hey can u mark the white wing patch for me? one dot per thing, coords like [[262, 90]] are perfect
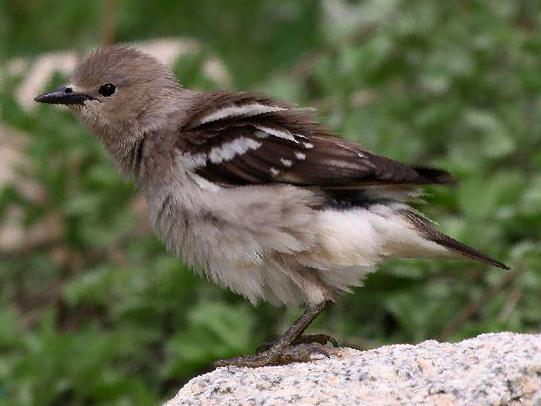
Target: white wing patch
[[228, 151], [224, 152], [240, 111], [286, 162], [286, 135]]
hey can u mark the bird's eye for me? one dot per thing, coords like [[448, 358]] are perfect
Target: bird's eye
[[107, 89]]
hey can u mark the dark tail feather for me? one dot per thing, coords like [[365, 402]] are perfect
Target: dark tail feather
[[427, 229], [435, 175], [468, 251]]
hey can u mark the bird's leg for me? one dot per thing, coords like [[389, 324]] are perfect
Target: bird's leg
[[283, 350]]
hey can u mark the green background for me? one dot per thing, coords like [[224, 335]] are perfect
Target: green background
[[101, 314]]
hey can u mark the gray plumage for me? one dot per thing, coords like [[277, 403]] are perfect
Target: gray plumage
[[251, 191]]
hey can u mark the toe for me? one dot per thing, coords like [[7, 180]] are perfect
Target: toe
[[302, 353]]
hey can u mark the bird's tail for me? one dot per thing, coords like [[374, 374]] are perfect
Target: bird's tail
[[469, 252], [429, 231]]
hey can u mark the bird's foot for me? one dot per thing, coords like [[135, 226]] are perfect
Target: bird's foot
[[322, 339], [290, 347], [302, 352]]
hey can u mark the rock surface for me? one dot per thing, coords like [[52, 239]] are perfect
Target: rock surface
[[491, 369]]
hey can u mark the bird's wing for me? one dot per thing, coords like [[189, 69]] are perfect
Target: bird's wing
[[241, 138]]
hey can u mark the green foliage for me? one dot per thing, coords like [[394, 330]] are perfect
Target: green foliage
[[101, 314]]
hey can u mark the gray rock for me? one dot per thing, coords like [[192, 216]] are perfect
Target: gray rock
[[491, 369]]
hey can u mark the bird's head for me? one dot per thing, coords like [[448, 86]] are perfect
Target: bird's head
[[116, 89]]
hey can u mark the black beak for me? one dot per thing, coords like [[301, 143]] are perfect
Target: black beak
[[63, 95]]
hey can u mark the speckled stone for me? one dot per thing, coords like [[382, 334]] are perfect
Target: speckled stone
[[491, 369]]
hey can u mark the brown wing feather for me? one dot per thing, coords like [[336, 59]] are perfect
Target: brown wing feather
[[294, 149]]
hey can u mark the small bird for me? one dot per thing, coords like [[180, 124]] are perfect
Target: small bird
[[253, 192]]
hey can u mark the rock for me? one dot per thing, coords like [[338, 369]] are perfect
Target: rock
[[491, 369]]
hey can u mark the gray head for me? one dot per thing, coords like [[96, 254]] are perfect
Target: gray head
[[118, 89]]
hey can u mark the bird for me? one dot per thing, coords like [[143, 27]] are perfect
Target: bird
[[254, 193]]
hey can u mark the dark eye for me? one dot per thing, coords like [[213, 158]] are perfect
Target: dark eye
[[107, 89]]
